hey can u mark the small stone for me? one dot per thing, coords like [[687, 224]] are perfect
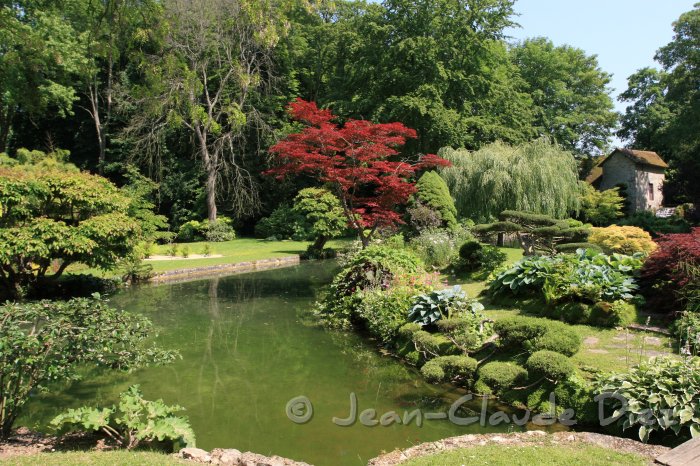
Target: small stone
[[229, 457], [498, 439], [195, 454], [590, 341], [536, 433]]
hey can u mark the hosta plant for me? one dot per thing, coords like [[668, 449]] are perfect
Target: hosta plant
[[659, 395], [132, 421], [451, 302]]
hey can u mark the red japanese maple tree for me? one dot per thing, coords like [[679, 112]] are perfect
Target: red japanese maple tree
[[354, 159]]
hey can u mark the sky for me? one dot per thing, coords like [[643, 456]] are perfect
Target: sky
[[624, 34]]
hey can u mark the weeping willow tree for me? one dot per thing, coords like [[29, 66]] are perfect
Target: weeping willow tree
[[538, 177]]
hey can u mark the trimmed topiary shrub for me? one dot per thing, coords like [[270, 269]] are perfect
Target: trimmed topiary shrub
[[567, 343], [460, 369], [534, 333], [616, 314], [501, 376], [551, 365], [432, 191], [573, 247], [622, 239], [434, 344]]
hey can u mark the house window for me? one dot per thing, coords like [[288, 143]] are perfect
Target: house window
[[651, 191]]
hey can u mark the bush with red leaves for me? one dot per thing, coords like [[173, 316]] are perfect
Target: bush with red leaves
[[666, 270]]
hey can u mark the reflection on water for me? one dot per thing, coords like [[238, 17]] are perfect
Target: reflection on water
[[246, 352]]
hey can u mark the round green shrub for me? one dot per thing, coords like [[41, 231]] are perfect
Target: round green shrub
[[573, 247], [616, 314], [550, 365], [515, 331], [500, 376], [573, 312], [433, 372], [535, 333], [567, 343], [434, 344], [447, 368]]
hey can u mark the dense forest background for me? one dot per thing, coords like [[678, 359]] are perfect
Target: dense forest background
[[191, 93]]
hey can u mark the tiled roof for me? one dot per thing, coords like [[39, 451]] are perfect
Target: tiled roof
[[643, 157]]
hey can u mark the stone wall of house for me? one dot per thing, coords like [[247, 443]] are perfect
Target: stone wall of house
[[649, 180], [619, 169]]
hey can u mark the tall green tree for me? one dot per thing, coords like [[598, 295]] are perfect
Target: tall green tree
[[207, 81], [570, 93], [39, 58], [664, 110]]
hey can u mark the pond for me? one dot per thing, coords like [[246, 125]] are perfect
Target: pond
[[247, 349]]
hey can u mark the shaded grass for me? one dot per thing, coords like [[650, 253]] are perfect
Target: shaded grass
[[536, 453], [95, 458]]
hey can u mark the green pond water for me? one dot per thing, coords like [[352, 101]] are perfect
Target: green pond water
[[247, 349]]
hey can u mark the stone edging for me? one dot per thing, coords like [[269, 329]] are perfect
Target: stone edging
[[519, 438], [232, 457], [178, 275]]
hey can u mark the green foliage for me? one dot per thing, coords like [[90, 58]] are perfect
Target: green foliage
[[501, 376], [133, 421], [662, 394], [458, 369], [185, 251], [141, 191], [468, 331], [474, 256], [283, 223], [214, 231], [206, 250], [432, 191], [173, 249], [686, 330], [499, 177], [535, 334], [566, 343], [586, 276], [451, 302], [432, 345], [616, 314], [323, 215], [664, 105], [384, 311], [570, 248], [133, 269], [51, 219], [551, 365], [47, 341], [374, 267], [601, 208], [436, 248], [654, 225], [569, 92]]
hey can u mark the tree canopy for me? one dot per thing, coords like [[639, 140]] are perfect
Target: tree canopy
[[51, 219], [664, 110], [538, 177]]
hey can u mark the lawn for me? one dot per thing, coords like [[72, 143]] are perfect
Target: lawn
[[536, 453], [95, 458], [237, 250]]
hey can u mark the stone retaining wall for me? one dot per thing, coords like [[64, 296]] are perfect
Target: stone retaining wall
[[519, 438], [233, 457], [224, 269]]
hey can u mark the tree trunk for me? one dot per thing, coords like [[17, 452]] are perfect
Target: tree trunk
[[211, 193], [6, 118], [320, 243]]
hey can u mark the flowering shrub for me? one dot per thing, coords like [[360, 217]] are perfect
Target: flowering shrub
[[624, 240]]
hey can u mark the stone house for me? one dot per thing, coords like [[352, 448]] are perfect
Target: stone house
[[641, 172]]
